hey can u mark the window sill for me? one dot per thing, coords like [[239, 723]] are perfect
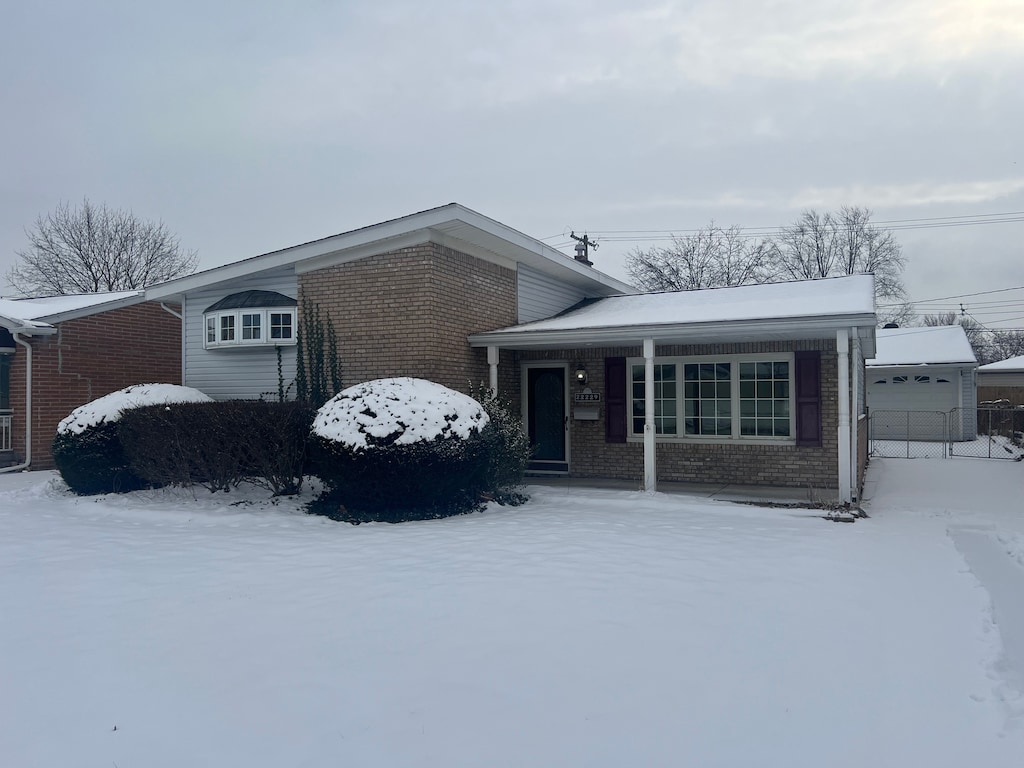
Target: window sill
[[661, 439], [250, 344]]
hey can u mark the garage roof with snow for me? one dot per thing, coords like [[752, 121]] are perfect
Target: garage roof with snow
[[942, 345]]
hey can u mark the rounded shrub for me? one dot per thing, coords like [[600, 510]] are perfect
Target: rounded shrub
[[399, 449], [87, 448]]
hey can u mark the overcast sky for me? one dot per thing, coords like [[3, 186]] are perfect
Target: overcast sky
[[248, 126]]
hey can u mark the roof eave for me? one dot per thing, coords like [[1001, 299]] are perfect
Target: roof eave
[[734, 330]]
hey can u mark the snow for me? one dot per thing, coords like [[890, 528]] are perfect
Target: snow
[[26, 311], [588, 627], [1010, 364], [943, 344], [851, 295], [411, 410], [110, 407]]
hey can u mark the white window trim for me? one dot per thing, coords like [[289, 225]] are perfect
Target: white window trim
[[734, 396], [238, 341]]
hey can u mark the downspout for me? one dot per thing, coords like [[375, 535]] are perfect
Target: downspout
[[843, 374], [28, 405], [181, 317], [650, 468]]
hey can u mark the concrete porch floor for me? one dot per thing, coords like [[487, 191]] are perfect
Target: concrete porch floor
[[717, 491]]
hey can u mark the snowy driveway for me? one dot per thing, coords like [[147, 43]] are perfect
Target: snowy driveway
[[597, 628]]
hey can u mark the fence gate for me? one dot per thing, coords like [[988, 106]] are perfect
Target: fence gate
[[987, 433], [1000, 433]]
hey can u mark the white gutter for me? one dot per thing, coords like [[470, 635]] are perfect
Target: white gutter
[[28, 406], [843, 374], [754, 329]]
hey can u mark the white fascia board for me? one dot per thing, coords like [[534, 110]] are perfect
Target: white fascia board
[[498, 239], [733, 331]]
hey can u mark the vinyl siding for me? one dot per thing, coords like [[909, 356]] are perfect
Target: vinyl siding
[[235, 373], [541, 296], [968, 399]]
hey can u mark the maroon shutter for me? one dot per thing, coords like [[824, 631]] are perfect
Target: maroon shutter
[[615, 399], [808, 398]]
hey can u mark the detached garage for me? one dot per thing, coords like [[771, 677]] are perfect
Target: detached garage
[[922, 384]]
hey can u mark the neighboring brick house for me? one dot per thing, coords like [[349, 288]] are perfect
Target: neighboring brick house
[[61, 352], [453, 296]]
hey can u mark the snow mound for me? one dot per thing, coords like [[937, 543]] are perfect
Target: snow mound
[[109, 408], [401, 411]]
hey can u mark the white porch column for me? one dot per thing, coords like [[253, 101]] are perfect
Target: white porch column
[[650, 468], [843, 374], [492, 361], [856, 364]]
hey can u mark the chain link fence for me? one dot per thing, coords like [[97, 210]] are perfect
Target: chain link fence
[[908, 434], [987, 432], [1000, 433]]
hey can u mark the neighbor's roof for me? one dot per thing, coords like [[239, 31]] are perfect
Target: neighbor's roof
[[30, 315], [453, 225], [1009, 365], [942, 344], [799, 309]]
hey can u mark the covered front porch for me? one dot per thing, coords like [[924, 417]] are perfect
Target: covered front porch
[[608, 391]]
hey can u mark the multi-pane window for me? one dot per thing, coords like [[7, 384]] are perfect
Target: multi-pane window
[[281, 325], [250, 327], [664, 399], [251, 322], [729, 397], [227, 328], [764, 399], [707, 398]]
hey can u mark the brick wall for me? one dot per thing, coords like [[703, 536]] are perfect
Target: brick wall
[[731, 462], [86, 359], [409, 313]]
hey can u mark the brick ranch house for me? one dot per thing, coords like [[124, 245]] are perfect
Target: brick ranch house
[[759, 384], [61, 352]]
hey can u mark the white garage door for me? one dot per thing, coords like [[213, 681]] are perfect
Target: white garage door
[[926, 392]]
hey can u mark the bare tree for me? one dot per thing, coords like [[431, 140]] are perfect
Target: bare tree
[[91, 248], [1006, 344], [841, 243], [978, 337], [712, 257]]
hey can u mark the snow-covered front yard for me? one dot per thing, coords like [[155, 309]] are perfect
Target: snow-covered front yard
[[591, 628]]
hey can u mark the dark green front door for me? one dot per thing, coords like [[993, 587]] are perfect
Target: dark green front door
[[547, 420]]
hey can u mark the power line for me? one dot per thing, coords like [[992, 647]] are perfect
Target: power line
[[956, 297]]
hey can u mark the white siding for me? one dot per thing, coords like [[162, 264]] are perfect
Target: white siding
[[235, 373], [541, 296]]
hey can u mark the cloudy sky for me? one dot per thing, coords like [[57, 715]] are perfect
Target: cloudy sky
[[248, 126]]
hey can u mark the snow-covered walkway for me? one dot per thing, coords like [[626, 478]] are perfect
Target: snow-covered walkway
[[597, 628]]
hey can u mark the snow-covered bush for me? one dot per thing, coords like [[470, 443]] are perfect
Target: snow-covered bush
[[87, 448], [219, 444], [508, 449], [399, 449]]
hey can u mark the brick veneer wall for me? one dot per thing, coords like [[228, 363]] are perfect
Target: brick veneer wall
[[86, 359], [409, 313], [731, 462]]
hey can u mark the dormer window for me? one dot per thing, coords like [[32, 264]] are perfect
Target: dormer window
[[250, 318]]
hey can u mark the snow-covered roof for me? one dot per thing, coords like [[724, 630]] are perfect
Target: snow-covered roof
[[1009, 365], [452, 224], [787, 306], [941, 345], [39, 313]]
